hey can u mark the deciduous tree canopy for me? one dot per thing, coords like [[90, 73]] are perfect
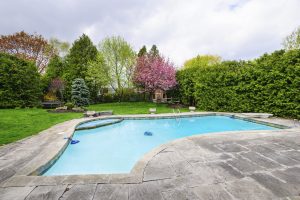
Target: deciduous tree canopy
[[120, 59], [29, 47], [202, 60], [292, 41], [154, 72]]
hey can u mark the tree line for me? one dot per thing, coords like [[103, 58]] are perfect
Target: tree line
[[61, 67], [34, 69]]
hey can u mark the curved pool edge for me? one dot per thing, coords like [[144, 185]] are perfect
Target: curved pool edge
[[77, 128], [40, 163], [141, 162]]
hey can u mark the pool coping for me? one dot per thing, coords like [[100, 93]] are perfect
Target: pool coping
[[28, 175], [77, 128]]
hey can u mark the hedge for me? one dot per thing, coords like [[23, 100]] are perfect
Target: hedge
[[270, 84], [19, 82]]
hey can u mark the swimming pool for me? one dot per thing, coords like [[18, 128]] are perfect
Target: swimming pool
[[116, 148]]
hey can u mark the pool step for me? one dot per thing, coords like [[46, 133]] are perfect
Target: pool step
[[114, 121]]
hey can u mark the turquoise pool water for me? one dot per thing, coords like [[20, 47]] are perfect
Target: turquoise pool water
[[116, 148]]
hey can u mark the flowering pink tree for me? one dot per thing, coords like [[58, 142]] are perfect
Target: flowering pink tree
[[154, 72]]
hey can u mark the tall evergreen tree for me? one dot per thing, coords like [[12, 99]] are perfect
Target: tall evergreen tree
[[142, 51], [82, 52], [55, 67], [19, 82], [80, 92], [154, 51]]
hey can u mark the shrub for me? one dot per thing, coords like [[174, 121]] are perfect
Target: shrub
[[69, 105], [80, 92], [19, 83], [268, 84]]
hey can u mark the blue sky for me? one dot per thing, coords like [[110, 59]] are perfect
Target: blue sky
[[233, 29]]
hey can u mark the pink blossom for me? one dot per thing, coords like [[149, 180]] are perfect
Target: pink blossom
[[154, 72]]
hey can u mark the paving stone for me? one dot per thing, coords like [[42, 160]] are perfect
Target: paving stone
[[145, 191], [289, 144], [156, 173], [248, 189], [269, 153], [252, 142], [212, 192], [294, 198], [20, 181], [174, 156], [6, 173], [15, 193], [206, 145], [276, 147], [111, 191], [182, 168], [243, 165], [47, 192], [290, 175], [227, 171], [292, 154], [192, 154], [202, 174], [179, 194], [260, 160], [260, 149], [231, 147], [79, 192], [277, 187]]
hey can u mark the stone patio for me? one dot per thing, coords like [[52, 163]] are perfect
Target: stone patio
[[229, 165]]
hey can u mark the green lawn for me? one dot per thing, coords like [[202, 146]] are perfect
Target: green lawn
[[16, 124], [133, 108]]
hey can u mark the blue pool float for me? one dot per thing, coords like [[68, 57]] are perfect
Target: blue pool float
[[71, 140], [148, 133], [74, 141]]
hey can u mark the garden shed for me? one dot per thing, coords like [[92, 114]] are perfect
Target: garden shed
[[160, 96]]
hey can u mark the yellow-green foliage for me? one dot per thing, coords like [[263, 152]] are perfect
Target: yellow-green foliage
[[202, 61]]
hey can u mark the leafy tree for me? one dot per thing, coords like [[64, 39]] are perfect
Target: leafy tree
[[204, 60], [154, 51], [81, 53], [55, 68], [19, 82], [57, 87], [142, 51], [120, 59], [292, 41], [29, 47], [154, 72], [60, 46], [80, 92], [98, 76]]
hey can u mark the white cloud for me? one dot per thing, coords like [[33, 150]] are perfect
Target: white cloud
[[233, 29]]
